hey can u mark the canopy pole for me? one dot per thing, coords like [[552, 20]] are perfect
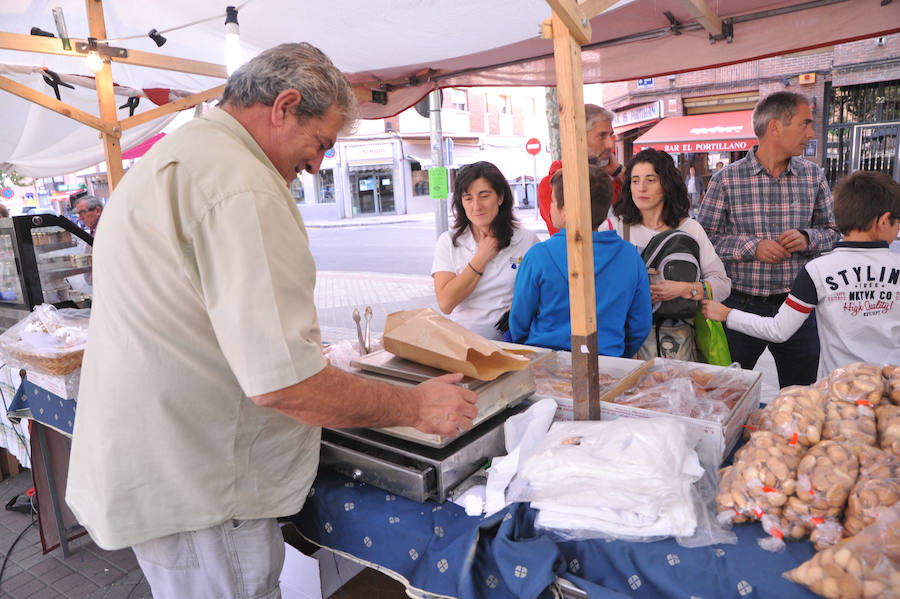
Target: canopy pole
[[23, 91], [170, 107], [107, 99], [579, 238]]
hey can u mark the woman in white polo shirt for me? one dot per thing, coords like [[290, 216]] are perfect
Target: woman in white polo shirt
[[475, 263]]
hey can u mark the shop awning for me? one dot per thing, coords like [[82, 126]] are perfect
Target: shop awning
[[633, 126], [141, 149], [716, 132]]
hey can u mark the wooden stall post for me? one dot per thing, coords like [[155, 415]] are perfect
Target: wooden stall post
[[567, 52], [107, 99]]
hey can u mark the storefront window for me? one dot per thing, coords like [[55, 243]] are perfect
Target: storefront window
[[420, 183], [861, 129], [297, 190], [325, 183]]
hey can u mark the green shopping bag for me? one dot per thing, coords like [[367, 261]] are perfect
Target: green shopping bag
[[712, 345]]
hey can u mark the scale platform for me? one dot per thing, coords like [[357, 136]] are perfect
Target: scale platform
[[493, 396]]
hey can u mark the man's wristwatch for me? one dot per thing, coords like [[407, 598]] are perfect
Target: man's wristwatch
[[617, 171]]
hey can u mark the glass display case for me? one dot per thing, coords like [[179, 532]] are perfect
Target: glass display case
[[44, 258]]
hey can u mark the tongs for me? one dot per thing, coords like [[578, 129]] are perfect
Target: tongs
[[363, 347], [368, 313]]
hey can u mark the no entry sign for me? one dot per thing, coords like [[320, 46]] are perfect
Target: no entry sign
[[533, 146]]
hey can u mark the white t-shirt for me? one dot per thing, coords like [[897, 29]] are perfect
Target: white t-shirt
[[492, 295], [711, 268]]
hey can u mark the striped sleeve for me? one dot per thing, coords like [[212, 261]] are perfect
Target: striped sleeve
[[793, 312]]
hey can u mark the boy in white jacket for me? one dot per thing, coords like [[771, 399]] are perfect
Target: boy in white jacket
[[854, 288]]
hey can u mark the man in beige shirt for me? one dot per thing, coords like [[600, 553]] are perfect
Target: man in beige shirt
[[203, 385]]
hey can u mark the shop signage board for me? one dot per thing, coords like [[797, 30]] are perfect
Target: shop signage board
[[714, 132], [702, 146], [639, 114], [369, 153]]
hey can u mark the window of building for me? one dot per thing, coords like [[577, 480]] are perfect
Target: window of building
[[505, 105], [460, 99], [325, 183], [297, 190], [861, 130], [420, 182]]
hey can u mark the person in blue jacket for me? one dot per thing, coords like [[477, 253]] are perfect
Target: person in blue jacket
[[540, 307]]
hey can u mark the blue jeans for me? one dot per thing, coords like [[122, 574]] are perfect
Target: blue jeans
[[797, 359]]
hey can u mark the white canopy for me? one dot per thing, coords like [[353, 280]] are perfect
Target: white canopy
[[405, 47]]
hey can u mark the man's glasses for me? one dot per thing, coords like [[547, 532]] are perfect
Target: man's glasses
[[85, 211]]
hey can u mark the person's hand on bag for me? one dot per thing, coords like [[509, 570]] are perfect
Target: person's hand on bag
[[714, 310], [444, 408], [771, 252], [668, 290]]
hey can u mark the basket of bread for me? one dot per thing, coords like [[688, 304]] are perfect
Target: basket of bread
[[48, 340]]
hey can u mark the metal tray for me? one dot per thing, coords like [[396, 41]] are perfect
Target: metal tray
[[385, 363], [493, 396]]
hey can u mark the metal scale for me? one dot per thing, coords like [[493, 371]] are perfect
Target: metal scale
[[423, 466]]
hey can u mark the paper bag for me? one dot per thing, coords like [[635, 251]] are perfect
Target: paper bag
[[426, 337]]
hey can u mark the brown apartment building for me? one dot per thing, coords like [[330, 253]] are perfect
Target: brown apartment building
[[703, 117]]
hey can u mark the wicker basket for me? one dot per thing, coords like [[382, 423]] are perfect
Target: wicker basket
[[56, 365]]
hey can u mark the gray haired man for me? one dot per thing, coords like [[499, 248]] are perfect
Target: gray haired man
[[767, 215], [203, 385]]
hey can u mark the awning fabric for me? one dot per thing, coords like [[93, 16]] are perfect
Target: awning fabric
[[141, 149], [716, 132], [632, 126]]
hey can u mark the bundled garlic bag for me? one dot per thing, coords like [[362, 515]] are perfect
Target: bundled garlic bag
[[760, 481], [796, 415], [892, 382], [888, 417], [864, 566], [849, 422], [858, 383]]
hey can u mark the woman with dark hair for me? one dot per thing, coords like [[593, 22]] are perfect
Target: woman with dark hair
[[655, 199], [475, 264]]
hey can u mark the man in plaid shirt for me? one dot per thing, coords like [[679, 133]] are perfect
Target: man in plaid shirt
[[768, 214]]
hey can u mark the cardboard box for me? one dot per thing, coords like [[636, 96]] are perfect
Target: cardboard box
[[315, 576], [717, 437], [64, 386], [618, 368]]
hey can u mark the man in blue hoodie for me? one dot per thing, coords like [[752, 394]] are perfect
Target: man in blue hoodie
[[540, 307]]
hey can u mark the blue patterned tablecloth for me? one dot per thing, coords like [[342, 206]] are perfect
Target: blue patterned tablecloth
[[39, 404], [439, 550]]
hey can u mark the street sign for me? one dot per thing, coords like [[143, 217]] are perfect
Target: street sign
[[329, 153], [7, 192], [533, 146]]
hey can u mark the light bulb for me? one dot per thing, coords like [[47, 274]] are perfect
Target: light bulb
[[233, 54], [93, 61]]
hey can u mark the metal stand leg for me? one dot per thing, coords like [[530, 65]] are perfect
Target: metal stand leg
[[51, 486]]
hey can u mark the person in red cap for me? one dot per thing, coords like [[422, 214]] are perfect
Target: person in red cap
[[600, 142]]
